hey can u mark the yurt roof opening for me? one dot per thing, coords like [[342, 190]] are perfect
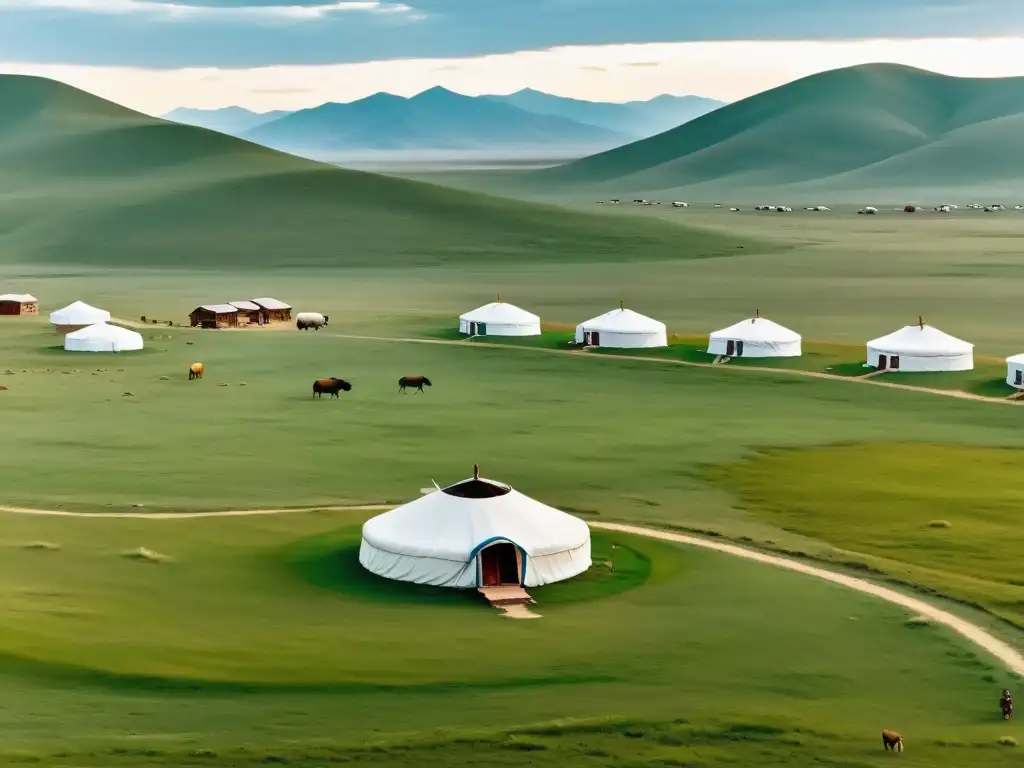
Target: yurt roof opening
[[499, 318], [755, 337], [920, 348], [476, 533], [623, 329]]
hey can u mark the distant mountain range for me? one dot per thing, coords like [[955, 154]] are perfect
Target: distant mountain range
[[230, 120], [100, 185], [638, 119], [442, 119], [839, 134]]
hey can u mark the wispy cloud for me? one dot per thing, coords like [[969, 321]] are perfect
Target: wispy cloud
[[724, 70], [183, 9]]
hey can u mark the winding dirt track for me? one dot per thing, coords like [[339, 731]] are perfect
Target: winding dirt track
[[1002, 651], [866, 379]]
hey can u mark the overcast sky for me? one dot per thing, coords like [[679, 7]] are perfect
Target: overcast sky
[[266, 54]]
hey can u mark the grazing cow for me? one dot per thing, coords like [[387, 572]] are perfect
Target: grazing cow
[[195, 371], [307, 320], [680, 204], [331, 386], [892, 741], [418, 382]]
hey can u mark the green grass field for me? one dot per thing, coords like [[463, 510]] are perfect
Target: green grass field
[[244, 647], [259, 640]]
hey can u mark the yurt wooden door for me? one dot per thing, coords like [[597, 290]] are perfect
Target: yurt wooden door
[[593, 338], [499, 565], [883, 363]]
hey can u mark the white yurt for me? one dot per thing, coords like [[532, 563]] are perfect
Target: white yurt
[[499, 319], [1015, 371], [102, 337], [476, 533], [622, 328], [919, 348], [755, 337], [76, 316]]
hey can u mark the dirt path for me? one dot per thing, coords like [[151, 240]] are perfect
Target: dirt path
[[1005, 653], [869, 379], [188, 515], [975, 634]]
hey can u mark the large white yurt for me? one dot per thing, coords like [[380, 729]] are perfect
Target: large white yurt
[[499, 319], [755, 337], [622, 328], [1015, 371], [102, 337], [76, 316], [919, 348], [476, 533]]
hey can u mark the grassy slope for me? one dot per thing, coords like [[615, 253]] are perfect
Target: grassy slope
[[636, 447], [245, 599], [91, 183], [857, 128], [950, 514]]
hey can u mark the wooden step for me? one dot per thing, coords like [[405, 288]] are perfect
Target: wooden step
[[506, 595]]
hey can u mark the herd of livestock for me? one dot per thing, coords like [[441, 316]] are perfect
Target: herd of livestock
[[866, 210]]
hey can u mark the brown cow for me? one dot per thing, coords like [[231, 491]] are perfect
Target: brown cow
[[417, 382], [331, 386], [195, 371], [892, 740]]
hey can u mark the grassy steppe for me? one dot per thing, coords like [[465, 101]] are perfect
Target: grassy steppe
[[601, 435], [265, 656]]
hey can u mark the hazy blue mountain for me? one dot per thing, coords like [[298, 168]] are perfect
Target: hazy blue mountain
[[230, 120], [635, 118], [434, 119]]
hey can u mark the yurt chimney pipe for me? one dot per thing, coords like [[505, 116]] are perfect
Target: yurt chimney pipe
[[920, 321], [622, 305], [476, 471]]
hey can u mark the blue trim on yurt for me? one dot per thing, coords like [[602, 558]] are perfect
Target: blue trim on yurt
[[474, 555]]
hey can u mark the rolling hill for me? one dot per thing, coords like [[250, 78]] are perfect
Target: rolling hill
[[230, 120], [434, 119], [865, 129], [638, 119], [88, 182]]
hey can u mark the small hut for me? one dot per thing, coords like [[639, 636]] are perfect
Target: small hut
[[249, 313], [274, 311], [214, 316], [18, 304]]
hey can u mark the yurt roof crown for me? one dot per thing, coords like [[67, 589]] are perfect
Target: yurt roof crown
[[476, 488]]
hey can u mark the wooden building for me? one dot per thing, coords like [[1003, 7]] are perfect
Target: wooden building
[[274, 311], [249, 313], [214, 316], [18, 304]]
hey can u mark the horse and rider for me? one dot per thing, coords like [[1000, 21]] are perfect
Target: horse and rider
[[1006, 704]]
